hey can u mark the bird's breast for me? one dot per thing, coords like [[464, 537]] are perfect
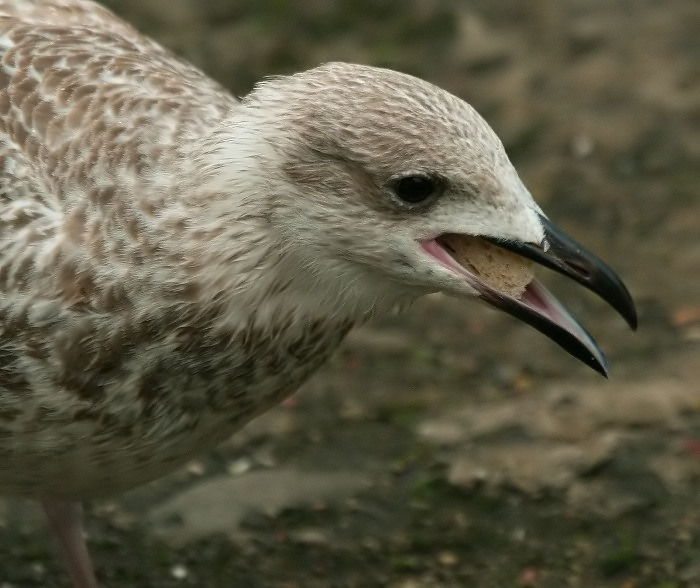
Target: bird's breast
[[98, 408]]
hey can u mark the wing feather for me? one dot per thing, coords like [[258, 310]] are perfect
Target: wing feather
[[90, 112]]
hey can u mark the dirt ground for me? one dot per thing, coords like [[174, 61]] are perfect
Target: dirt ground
[[453, 446]]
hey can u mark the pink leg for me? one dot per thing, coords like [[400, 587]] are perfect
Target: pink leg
[[66, 521]]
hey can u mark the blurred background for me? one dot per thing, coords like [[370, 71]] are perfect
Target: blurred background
[[451, 445]]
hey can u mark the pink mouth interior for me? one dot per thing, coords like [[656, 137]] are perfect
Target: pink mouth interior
[[434, 250], [535, 296], [541, 300]]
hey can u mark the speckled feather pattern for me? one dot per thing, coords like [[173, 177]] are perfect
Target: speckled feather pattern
[[111, 370], [173, 262]]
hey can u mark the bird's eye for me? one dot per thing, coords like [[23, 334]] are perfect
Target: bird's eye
[[415, 188]]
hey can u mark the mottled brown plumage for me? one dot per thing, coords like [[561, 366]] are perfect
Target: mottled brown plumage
[[114, 365], [174, 261]]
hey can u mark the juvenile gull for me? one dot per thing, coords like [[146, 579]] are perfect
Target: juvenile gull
[[173, 262]]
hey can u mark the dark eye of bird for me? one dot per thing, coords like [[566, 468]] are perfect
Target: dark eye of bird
[[415, 188]]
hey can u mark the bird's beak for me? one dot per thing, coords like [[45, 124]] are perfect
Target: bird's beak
[[540, 309]]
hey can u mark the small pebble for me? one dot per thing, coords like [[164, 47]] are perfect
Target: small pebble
[[179, 572]]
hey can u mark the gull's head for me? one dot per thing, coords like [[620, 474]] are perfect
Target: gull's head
[[389, 187]]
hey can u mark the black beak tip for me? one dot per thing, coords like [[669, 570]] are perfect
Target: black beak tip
[[609, 286], [573, 260], [593, 358], [603, 370], [561, 253], [631, 317], [625, 307]]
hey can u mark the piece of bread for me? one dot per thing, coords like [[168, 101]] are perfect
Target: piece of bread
[[502, 270]]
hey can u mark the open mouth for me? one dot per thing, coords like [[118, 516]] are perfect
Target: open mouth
[[501, 272]]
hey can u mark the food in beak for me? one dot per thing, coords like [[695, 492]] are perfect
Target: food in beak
[[504, 271], [501, 271]]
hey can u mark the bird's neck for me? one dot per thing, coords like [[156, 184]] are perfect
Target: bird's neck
[[242, 252]]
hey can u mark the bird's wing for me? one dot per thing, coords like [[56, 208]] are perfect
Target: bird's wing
[[40, 13], [89, 109]]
